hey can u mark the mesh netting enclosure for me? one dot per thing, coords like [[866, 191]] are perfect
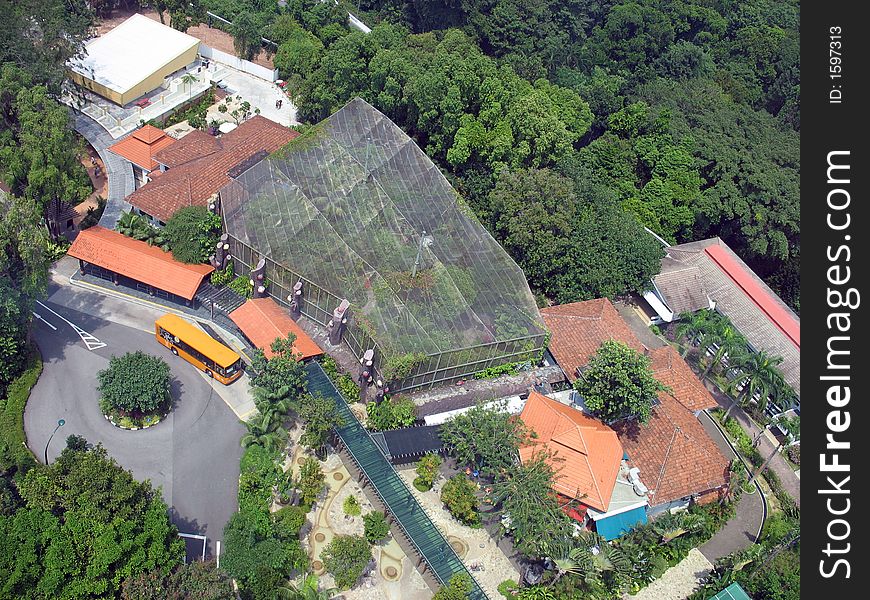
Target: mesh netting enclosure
[[355, 208]]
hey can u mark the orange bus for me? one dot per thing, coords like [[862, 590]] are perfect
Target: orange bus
[[198, 348]]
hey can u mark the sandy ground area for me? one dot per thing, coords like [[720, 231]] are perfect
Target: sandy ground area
[[475, 547], [97, 172], [679, 581], [391, 575]]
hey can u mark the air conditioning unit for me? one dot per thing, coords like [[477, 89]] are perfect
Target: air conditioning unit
[[634, 476]]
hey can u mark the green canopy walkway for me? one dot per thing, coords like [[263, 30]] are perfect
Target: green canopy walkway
[[419, 529]]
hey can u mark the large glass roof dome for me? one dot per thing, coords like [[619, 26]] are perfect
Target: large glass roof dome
[[356, 207]]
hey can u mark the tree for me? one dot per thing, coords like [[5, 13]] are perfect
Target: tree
[[351, 506], [525, 495], [321, 417], [298, 53], [40, 36], [309, 590], [311, 480], [391, 414], [39, 152], [188, 79], [591, 559], [458, 495], [427, 471], [246, 36], [618, 384], [376, 526], [457, 588], [487, 438], [184, 14], [792, 428], [86, 525], [266, 430], [281, 377], [760, 376], [192, 233], [138, 228], [196, 580], [23, 276], [258, 560], [346, 557], [728, 343], [134, 383]]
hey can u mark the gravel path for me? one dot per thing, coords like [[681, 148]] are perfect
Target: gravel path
[[678, 581]]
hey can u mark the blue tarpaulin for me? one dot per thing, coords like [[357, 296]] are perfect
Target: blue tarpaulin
[[613, 527]]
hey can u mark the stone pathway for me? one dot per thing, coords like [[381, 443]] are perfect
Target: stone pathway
[[394, 576], [679, 581], [118, 170]]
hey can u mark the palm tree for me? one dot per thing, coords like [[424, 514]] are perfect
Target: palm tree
[[690, 329], [792, 427], [189, 80], [266, 431], [728, 342], [591, 559], [760, 376], [309, 590]]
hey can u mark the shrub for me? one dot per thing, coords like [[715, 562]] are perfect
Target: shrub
[[794, 454], [289, 522], [223, 276], [376, 526], [311, 480], [351, 506], [458, 495], [134, 383], [427, 471], [14, 454], [499, 370], [346, 558], [391, 414], [193, 232], [507, 588], [242, 286], [457, 588], [94, 214]]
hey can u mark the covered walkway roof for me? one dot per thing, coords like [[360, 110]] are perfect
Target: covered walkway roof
[[263, 321], [137, 260]]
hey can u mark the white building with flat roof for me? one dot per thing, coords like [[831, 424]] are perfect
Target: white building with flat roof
[[132, 59]]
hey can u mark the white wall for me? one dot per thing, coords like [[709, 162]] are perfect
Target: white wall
[[237, 63]]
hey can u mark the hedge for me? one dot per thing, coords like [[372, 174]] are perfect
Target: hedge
[[14, 454]]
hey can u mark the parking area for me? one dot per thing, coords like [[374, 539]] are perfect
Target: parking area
[[192, 455]]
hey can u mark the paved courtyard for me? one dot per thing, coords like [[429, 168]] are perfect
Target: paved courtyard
[[192, 455]]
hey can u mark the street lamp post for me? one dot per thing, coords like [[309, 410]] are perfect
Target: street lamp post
[[60, 423]]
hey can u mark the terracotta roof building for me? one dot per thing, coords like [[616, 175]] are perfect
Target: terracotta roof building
[[263, 321], [109, 254], [197, 166], [140, 147], [669, 368], [676, 457], [585, 453], [708, 274], [578, 330]]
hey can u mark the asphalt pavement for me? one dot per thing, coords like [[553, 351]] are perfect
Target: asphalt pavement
[[192, 455]]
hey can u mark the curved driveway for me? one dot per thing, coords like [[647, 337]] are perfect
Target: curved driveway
[[119, 172], [193, 454]]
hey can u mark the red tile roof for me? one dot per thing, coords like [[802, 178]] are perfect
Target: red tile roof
[[142, 145], [198, 165], [585, 453], [578, 330], [670, 369], [263, 321], [763, 299], [675, 455], [137, 260]]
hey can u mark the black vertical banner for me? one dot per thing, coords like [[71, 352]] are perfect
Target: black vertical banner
[[834, 374]]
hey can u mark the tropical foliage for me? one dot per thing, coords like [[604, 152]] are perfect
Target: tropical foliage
[[311, 480], [376, 527], [321, 417], [200, 580], [427, 471], [459, 496], [618, 383], [346, 557], [391, 413], [192, 233], [134, 383], [84, 525], [457, 588], [139, 228]]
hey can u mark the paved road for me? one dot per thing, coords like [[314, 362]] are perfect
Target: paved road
[[743, 528], [193, 454], [118, 170]]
